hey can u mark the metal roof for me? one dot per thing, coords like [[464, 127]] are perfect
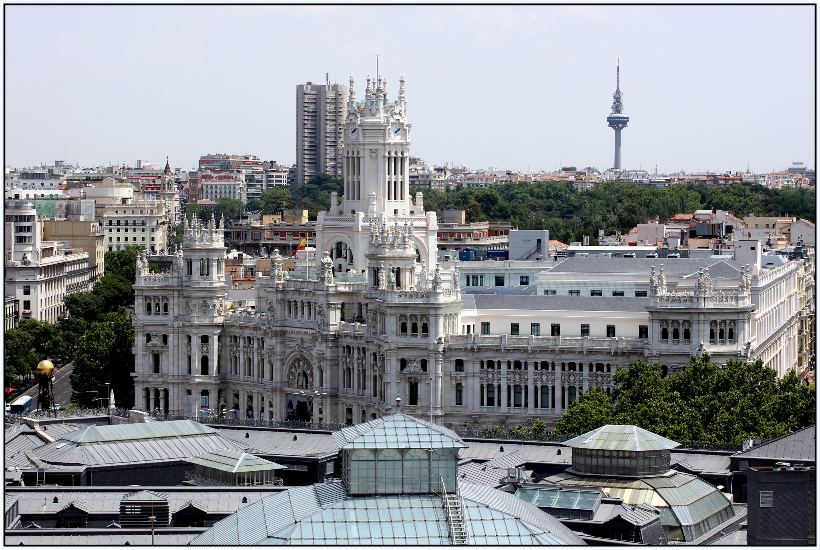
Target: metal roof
[[798, 446], [282, 443], [534, 454], [672, 266], [102, 501], [142, 430], [112, 537], [620, 437], [145, 496], [702, 463], [234, 462], [325, 515], [683, 499], [132, 446], [557, 303], [397, 431]]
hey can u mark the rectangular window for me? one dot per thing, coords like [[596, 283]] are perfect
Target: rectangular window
[[596, 292], [640, 294], [485, 328], [550, 292], [766, 498], [535, 329], [610, 331], [459, 365], [617, 292], [524, 280], [26, 290], [584, 329], [574, 292], [555, 329], [26, 305], [499, 280], [490, 395], [459, 394], [514, 329], [643, 331], [414, 393]]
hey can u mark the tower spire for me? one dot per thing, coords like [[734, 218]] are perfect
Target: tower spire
[[618, 75]]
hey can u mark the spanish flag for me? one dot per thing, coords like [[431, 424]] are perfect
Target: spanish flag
[[302, 244]]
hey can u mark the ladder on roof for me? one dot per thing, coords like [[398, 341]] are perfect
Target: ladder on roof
[[454, 514]]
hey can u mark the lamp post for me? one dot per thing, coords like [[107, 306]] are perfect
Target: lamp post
[[309, 397]]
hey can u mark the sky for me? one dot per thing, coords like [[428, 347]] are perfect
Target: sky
[[507, 87]]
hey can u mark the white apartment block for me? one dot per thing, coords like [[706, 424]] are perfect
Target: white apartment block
[[375, 315], [214, 188], [137, 223], [39, 274]]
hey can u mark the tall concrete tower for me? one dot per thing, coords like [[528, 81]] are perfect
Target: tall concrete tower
[[321, 114], [617, 120]]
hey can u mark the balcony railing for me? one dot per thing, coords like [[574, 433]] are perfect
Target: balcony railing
[[584, 344]]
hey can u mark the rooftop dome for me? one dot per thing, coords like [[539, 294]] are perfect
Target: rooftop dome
[[633, 464], [397, 431], [325, 514]]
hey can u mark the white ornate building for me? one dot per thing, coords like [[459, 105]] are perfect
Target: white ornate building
[[377, 315]]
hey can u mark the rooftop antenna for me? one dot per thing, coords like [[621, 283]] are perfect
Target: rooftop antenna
[[377, 68]]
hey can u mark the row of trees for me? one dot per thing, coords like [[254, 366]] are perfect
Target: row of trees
[[699, 402], [313, 196], [97, 335], [612, 206]]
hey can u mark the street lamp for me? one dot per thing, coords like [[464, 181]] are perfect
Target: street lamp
[[309, 397]]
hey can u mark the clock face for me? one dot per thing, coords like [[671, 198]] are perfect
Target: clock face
[[354, 132], [395, 131]]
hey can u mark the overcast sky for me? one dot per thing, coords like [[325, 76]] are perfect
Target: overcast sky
[[526, 88]]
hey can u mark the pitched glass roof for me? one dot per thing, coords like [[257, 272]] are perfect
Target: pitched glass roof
[[234, 462], [325, 515], [620, 437], [555, 497], [397, 431]]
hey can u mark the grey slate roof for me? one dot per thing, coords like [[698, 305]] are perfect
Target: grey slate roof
[[134, 443], [129, 432], [78, 537], [98, 501], [556, 303], [798, 446], [485, 473], [281, 443], [621, 437], [397, 431], [535, 454], [677, 267], [702, 463], [145, 496], [234, 462]]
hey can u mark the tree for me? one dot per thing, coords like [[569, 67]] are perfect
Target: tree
[[230, 208], [123, 263], [114, 292], [83, 305], [274, 200], [41, 333], [592, 410], [104, 355], [19, 354]]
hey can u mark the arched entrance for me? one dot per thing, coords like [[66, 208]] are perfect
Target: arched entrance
[[300, 387]]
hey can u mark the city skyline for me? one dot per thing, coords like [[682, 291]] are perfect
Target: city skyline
[[523, 88]]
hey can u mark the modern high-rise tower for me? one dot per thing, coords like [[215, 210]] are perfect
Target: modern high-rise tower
[[321, 114], [617, 120]]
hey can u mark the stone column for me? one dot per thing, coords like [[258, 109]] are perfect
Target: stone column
[[530, 390], [152, 405], [162, 399], [439, 378]]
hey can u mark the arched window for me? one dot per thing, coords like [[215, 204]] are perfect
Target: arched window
[[203, 365], [404, 327], [414, 328], [687, 333], [413, 393], [664, 333], [424, 329], [675, 333], [731, 332], [402, 364], [712, 332]]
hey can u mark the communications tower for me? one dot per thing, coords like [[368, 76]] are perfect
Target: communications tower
[[617, 120]]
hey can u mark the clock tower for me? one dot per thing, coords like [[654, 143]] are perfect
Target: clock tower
[[377, 153]]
